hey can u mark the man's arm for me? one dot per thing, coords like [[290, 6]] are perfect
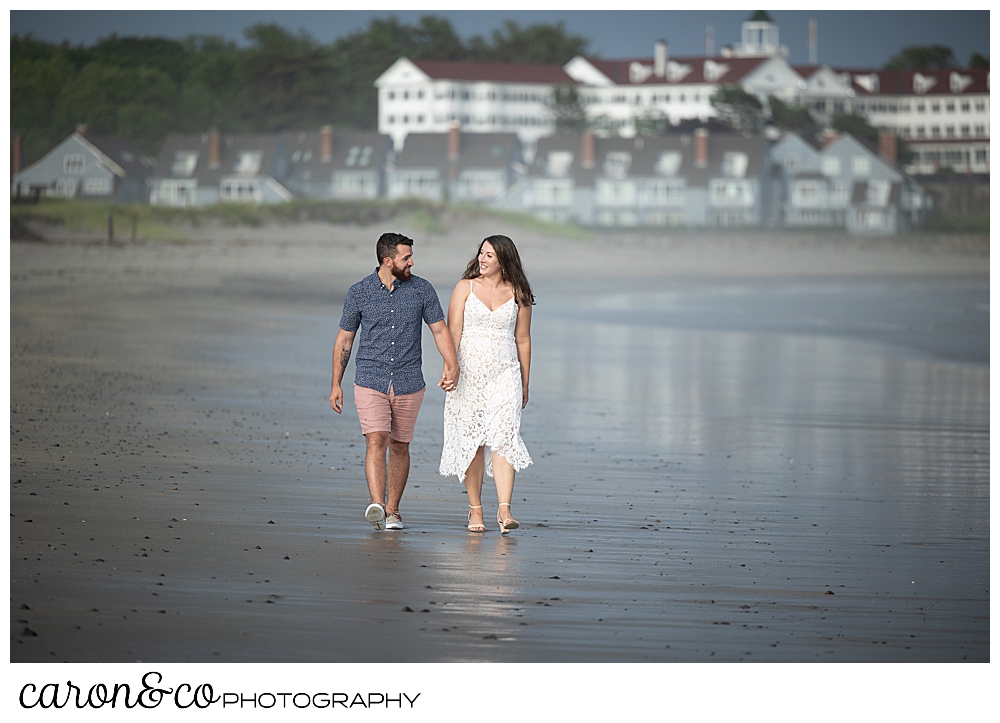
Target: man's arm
[[446, 347], [341, 355]]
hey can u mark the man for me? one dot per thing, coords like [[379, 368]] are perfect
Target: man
[[389, 386]]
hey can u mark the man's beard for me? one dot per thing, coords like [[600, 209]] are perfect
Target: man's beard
[[402, 274]]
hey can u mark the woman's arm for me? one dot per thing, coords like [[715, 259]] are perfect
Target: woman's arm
[[522, 337], [456, 311]]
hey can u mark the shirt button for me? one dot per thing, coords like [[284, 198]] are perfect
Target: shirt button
[[393, 343], [392, 311]]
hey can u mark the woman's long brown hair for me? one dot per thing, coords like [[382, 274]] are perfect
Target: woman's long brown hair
[[510, 268]]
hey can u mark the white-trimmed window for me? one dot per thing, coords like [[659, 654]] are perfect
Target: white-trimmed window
[[354, 185], [240, 190], [730, 192], [877, 193], [184, 163], [734, 164], [861, 165], [552, 192], [669, 163], [65, 187], [792, 162], [96, 186], [558, 163], [617, 163], [808, 193], [831, 165], [248, 162], [74, 163], [615, 193], [175, 193]]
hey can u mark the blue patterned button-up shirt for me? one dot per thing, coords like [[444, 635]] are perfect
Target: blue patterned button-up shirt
[[389, 344]]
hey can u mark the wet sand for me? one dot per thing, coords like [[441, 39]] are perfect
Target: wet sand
[[745, 450]]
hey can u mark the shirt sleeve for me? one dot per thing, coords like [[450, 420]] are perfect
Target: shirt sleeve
[[350, 320], [432, 306]]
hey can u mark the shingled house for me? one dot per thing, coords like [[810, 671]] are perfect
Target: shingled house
[[674, 180], [456, 167], [341, 165], [221, 168], [89, 166]]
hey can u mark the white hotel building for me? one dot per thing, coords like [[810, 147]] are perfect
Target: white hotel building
[[943, 115]]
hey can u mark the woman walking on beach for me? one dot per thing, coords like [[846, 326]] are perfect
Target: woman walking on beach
[[489, 317]]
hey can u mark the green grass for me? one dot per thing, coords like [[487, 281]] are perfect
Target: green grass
[[524, 221], [973, 223]]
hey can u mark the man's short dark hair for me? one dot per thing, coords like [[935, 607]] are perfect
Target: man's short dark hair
[[387, 244]]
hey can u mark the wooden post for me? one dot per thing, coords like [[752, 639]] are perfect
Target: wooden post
[[111, 228], [135, 225]]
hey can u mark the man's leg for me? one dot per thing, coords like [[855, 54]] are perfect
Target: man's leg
[[399, 471], [375, 471], [405, 408]]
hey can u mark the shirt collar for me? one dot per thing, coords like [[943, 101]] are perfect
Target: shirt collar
[[378, 280]]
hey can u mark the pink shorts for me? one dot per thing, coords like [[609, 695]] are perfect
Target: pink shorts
[[380, 412]]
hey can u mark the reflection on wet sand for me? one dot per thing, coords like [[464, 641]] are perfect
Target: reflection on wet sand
[[724, 470]]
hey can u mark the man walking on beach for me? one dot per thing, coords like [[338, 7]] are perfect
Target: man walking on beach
[[388, 307]]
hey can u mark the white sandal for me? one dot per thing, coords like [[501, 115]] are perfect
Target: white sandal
[[478, 527], [508, 524]]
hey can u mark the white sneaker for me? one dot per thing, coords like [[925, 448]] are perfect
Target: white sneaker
[[393, 521], [376, 515]]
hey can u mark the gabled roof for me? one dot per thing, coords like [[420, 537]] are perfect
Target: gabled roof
[[646, 152], [125, 153], [908, 82], [231, 145], [476, 150], [302, 145], [497, 72], [735, 69]]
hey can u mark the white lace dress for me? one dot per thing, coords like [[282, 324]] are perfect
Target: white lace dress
[[485, 408]]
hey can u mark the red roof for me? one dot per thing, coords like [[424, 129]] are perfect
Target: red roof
[[618, 70], [500, 72], [900, 82]]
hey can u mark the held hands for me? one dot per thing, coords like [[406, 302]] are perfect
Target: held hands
[[337, 399], [449, 379]]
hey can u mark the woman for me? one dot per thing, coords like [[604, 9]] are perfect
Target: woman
[[490, 322]]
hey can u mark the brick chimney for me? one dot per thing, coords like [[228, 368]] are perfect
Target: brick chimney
[[587, 150], [660, 57], [701, 147], [887, 145], [454, 149], [829, 136], [454, 141], [16, 154], [326, 143], [214, 148], [81, 128]]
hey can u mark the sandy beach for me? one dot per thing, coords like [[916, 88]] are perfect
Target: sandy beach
[[746, 448]]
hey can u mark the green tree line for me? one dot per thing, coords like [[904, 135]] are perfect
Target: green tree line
[[145, 88]]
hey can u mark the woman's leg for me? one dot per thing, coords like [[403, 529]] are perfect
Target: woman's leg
[[503, 475], [474, 487]]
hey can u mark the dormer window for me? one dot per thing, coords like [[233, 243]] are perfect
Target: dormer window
[[734, 164], [307, 156], [184, 163], [559, 163], [669, 163], [617, 163], [366, 156], [248, 162], [297, 156]]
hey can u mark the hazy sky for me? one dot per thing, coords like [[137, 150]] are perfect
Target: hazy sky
[[846, 38]]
